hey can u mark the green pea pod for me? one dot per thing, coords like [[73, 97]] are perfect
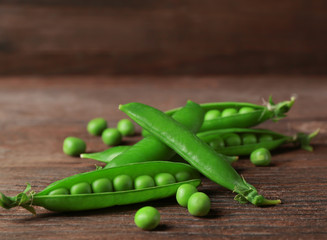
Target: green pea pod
[[107, 155], [277, 139], [243, 120], [80, 202], [195, 151], [152, 149]]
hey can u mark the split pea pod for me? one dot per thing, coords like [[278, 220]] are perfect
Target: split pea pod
[[243, 141], [195, 151], [241, 115], [102, 188], [151, 149]]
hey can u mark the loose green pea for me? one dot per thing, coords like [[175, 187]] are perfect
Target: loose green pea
[[96, 126], [228, 112], [80, 188], [183, 194], [73, 146], [59, 191], [123, 183], [102, 185], [260, 157], [144, 181], [212, 114], [198, 204], [182, 176], [147, 218], [233, 139], [245, 110], [111, 136], [126, 127], [249, 138], [265, 138], [217, 143], [164, 179]]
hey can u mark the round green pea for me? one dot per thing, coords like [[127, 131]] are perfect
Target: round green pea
[[111, 136], [184, 192], [59, 191], [102, 185], [80, 188], [212, 114], [183, 176], [228, 112], [147, 218], [73, 146], [164, 179], [265, 138], [126, 127], [260, 157], [217, 143], [123, 183], [144, 181], [96, 126], [198, 204], [249, 138], [245, 110], [233, 139]]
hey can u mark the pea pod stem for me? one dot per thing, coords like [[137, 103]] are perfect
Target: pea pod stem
[[194, 150], [79, 202]]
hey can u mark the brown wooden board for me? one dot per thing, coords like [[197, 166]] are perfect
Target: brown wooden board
[[37, 113], [163, 37]]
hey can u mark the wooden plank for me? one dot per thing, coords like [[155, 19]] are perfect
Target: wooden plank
[[37, 113], [165, 37]]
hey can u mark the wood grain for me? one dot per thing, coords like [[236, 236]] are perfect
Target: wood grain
[[163, 37], [36, 115]]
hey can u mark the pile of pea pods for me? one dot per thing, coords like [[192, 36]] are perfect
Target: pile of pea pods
[[178, 146]]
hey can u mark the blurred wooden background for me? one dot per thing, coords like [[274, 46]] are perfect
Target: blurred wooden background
[[164, 37]]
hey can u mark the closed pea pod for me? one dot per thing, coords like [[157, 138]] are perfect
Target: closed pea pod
[[195, 151], [150, 148], [88, 201], [106, 155], [250, 140]]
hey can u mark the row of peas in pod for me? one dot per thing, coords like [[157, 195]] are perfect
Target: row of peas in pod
[[75, 146], [206, 137]]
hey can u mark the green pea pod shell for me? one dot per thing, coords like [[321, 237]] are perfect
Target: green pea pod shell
[[245, 120], [79, 202], [195, 151], [300, 139], [152, 149], [108, 155]]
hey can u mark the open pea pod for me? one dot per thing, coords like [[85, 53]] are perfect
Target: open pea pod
[[88, 201], [243, 141], [245, 115]]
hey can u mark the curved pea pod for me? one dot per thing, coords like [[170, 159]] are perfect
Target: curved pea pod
[[257, 115], [152, 149], [80, 202], [195, 151], [107, 155], [277, 139]]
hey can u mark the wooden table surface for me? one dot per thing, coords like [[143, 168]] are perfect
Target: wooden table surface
[[37, 113]]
